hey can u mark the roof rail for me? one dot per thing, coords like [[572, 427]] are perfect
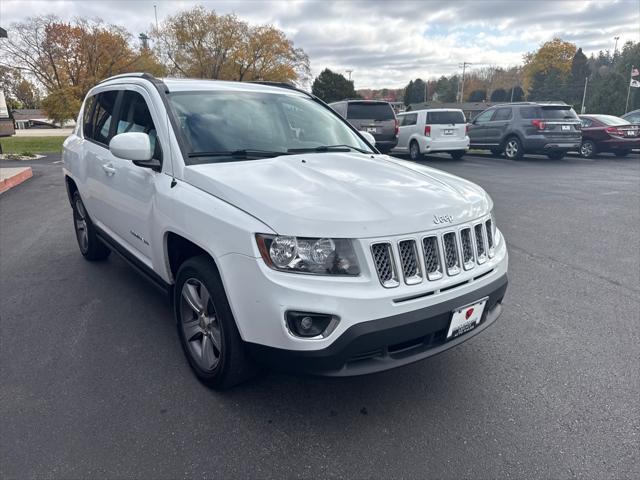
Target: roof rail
[[146, 76], [286, 85]]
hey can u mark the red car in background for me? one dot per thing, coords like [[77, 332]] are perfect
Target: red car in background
[[606, 133]]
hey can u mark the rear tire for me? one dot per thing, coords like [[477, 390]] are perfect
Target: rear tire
[[91, 247], [206, 327], [414, 151], [457, 155], [588, 149], [513, 148], [556, 155], [622, 153]]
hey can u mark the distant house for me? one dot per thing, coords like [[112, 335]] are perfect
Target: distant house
[[35, 118], [470, 109]]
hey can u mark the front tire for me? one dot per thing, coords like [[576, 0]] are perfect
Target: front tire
[[206, 327], [414, 151], [91, 247], [588, 149], [457, 155], [513, 148]]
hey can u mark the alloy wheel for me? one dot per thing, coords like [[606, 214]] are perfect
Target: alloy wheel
[[413, 151], [200, 324], [511, 149], [586, 149], [81, 226]]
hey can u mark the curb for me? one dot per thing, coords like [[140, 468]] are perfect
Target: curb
[[10, 177]]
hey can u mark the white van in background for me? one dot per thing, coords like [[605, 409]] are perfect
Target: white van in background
[[431, 131]]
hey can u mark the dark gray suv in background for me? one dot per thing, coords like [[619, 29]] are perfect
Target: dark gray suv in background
[[375, 117], [528, 127]]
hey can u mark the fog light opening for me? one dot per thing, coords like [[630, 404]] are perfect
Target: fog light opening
[[309, 325]]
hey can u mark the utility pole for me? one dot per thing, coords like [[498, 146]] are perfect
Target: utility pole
[[426, 90], [584, 94], [615, 47], [349, 72], [464, 66], [155, 11]]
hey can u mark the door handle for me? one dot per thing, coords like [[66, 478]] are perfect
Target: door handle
[[108, 169]]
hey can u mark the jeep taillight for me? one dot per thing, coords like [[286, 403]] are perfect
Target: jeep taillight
[[539, 124], [427, 130]]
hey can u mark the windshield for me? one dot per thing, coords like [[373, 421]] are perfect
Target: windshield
[[369, 111], [559, 113], [445, 118], [611, 120], [217, 125]]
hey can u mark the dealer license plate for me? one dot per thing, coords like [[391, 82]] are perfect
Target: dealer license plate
[[466, 318], [448, 132]]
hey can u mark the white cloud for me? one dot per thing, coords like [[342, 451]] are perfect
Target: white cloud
[[388, 43]]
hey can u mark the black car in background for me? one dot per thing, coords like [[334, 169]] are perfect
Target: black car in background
[[375, 117], [515, 129]]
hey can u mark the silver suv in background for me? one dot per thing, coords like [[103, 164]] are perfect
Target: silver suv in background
[[374, 117], [431, 131], [528, 127]]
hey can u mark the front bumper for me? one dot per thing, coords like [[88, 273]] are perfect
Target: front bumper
[[388, 342]]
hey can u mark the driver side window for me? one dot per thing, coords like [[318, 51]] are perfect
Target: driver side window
[[484, 116]]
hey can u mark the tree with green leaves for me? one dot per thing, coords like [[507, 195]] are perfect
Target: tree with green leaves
[[607, 94], [575, 85], [499, 95], [332, 87]]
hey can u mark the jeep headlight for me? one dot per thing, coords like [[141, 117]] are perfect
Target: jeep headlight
[[320, 256]]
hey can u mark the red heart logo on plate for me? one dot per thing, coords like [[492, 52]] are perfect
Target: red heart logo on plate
[[469, 313]]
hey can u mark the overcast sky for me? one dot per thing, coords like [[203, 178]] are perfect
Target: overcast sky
[[386, 43]]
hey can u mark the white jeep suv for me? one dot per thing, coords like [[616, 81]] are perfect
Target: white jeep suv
[[283, 237]]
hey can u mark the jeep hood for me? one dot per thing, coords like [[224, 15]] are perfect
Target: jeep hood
[[341, 195]]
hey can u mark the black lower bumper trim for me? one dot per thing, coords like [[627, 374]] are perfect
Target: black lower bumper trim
[[388, 342]]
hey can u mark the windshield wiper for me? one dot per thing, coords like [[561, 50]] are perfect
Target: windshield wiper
[[327, 148], [244, 153]]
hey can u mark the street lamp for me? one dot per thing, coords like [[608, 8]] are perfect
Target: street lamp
[[615, 47]]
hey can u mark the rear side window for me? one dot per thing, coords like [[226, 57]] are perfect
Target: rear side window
[[484, 116], [586, 122], [408, 119], [370, 111], [558, 113], [502, 114], [530, 112], [100, 128], [136, 117], [445, 118], [87, 126]]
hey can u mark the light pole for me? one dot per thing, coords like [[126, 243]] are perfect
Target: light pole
[[615, 47], [464, 66], [349, 72]]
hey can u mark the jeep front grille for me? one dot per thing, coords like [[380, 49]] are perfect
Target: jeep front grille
[[442, 254], [385, 266]]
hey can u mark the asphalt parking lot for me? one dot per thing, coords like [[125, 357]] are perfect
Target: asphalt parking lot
[[93, 381]]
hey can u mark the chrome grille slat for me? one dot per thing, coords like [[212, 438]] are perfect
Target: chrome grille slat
[[467, 248], [410, 261], [489, 228], [480, 244], [431, 252], [451, 257], [385, 266]]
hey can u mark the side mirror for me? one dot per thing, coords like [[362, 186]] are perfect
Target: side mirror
[[369, 138], [135, 146]]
